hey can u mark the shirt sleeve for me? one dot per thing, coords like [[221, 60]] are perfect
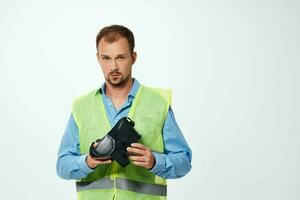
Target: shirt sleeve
[[175, 162], [70, 163]]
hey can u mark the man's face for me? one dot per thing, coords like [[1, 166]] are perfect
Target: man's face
[[116, 60]]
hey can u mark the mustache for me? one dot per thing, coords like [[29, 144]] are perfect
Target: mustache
[[114, 72]]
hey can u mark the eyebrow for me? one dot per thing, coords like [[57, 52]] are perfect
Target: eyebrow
[[124, 54]]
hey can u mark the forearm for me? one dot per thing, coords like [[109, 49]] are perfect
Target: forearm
[[175, 162], [171, 166], [70, 163], [72, 166]]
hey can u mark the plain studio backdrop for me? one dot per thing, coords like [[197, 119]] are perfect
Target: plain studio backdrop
[[233, 67]]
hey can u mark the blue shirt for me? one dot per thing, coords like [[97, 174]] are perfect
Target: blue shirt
[[175, 162]]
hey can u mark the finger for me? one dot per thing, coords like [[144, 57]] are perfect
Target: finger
[[139, 163], [137, 158], [99, 159], [102, 159], [106, 162], [103, 162], [136, 151], [139, 145], [95, 144]]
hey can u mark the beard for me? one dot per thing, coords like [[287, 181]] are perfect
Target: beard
[[116, 79]]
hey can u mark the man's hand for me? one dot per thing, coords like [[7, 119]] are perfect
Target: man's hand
[[141, 155], [93, 163]]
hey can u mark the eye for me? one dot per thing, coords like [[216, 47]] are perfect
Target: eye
[[105, 58], [120, 57]]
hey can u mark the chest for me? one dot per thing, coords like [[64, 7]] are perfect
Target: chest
[[118, 102]]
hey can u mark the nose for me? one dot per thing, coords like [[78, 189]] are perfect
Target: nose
[[114, 66]]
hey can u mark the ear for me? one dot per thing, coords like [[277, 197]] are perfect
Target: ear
[[97, 56], [134, 56]]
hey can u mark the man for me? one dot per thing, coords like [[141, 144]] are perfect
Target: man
[[162, 153]]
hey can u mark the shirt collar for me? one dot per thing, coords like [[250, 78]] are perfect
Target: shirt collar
[[132, 93]]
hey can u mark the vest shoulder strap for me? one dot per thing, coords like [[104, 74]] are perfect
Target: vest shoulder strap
[[165, 93], [82, 103]]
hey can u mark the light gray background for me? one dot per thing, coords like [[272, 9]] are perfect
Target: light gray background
[[233, 67]]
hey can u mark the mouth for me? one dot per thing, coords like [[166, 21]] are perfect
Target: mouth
[[115, 74]]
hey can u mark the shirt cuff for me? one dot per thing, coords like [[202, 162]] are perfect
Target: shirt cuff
[[83, 165], [159, 163]]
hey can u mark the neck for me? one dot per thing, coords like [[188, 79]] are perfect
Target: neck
[[119, 92]]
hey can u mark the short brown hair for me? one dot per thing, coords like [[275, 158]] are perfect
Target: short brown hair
[[113, 33]]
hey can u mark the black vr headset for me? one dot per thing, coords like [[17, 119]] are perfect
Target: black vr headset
[[113, 145]]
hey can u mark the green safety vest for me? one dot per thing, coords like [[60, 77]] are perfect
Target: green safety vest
[[111, 181]]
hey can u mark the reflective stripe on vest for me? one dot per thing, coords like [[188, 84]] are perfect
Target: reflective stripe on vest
[[123, 184]]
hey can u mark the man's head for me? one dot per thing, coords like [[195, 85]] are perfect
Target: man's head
[[115, 53], [113, 33]]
